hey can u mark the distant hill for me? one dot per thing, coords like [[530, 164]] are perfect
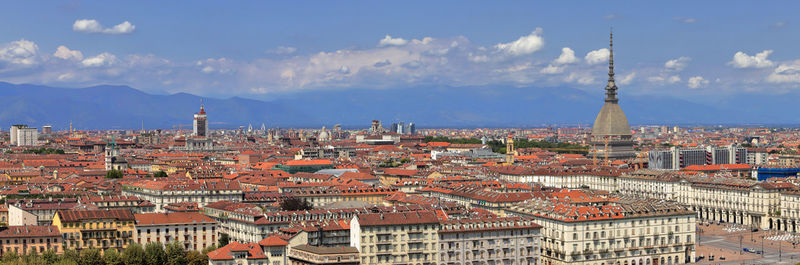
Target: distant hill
[[109, 107]]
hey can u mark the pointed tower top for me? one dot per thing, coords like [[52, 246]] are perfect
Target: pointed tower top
[[611, 87], [202, 109]]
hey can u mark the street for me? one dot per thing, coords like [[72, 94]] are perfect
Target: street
[[771, 252]]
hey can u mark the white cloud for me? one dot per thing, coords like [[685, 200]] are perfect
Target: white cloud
[[779, 24], [389, 41], [552, 69], [22, 52], [211, 65], [477, 58], [65, 53], [686, 20], [449, 61], [580, 78], [567, 56], [597, 56], [103, 59], [627, 79], [524, 45], [785, 73], [662, 79], [284, 50], [424, 41], [697, 82], [611, 16], [742, 60], [92, 26], [677, 65]]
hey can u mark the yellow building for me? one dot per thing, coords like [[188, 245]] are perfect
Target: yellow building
[[102, 229]]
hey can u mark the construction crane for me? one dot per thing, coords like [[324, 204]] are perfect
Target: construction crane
[[180, 128], [605, 151]]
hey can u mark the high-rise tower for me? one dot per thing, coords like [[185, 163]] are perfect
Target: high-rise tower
[[611, 134], [200, 123]]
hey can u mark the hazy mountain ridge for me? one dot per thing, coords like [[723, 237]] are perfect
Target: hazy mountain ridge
[[108, 107]]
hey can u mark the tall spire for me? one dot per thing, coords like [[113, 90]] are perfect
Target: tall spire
[[611, 87]]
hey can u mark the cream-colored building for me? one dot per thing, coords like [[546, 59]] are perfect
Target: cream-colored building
[[195, 230], [162, 193], [598, 178], [715, 199], [788, 217], [396, 237], [627, 231], [506, 240]]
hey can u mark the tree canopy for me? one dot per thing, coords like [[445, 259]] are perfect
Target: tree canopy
[[113, 174], [295, 204]]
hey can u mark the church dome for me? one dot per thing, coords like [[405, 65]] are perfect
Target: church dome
[[611, 121]]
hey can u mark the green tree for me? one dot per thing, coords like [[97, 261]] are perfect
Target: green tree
[[29, 257], [154, 253], [49, 256], [176, 253], [10, 257], [223, 240], [293, 204], [91, 256], [113, 174], [71, 255], [65, 262], [210, 248], [112, 257], [133, 255], [160, 174], [194, 257]]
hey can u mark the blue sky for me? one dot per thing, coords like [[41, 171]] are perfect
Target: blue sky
[[259, 49]]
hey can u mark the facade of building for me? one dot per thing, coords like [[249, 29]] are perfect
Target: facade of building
[[37, 211], [509, 240], [162, 193], [195, 230], [396, 237], [268, 251], [316, 255], [30, 239], [677, 158], [100, 229], [631, 230], [22, 135]]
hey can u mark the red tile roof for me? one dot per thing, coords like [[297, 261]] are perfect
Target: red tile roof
[[31, 231], [273, 241], [79, 215], [253, 250], [172, 218], [398, 218]]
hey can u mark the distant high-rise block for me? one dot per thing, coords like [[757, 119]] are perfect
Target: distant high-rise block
[[22, 135], [200, 123]]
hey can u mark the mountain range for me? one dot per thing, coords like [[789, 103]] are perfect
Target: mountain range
[[123, 107]]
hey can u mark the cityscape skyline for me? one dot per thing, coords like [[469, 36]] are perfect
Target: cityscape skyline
[[402, 133], [78, 45]]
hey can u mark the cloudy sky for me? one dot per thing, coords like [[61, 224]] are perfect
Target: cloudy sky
[[259, 49]]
